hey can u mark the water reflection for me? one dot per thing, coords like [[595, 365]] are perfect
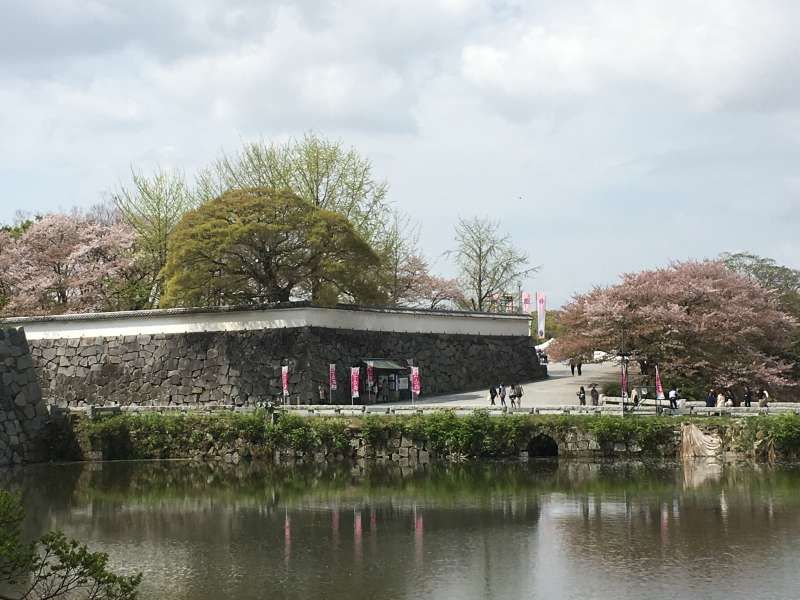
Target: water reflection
[[566, 529]]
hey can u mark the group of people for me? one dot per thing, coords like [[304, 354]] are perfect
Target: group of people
[[594, 394], [726, 397], [513, 392]]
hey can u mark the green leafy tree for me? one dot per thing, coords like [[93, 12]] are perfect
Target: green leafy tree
[[260, 245], [54, 566], [152, 206], [784, 282], [322, 172]]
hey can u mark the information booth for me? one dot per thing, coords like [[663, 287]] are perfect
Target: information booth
[[391, 381]]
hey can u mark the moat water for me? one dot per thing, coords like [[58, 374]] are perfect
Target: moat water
[[545, 530]]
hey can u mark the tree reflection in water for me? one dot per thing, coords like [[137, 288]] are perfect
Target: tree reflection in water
[[489, 530]]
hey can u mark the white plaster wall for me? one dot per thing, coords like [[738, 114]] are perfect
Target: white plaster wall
[[167, 322]]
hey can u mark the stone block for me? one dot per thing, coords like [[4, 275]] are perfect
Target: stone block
[[21, 399]]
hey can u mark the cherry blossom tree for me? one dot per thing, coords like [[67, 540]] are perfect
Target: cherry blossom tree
[[432, 291], [65, 264], [699, 321]]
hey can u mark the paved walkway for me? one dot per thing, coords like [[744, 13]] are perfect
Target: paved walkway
[[560, 388]]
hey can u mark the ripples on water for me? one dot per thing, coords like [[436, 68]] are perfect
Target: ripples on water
[[538, 530]]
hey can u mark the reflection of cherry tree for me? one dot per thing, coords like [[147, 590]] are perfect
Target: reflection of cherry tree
[[64, 264], [699, 320]]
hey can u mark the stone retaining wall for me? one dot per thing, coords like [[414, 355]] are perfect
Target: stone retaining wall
[[244, 367], [23, 414]]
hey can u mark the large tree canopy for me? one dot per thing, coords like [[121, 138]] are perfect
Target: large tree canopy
[[320, 171], [700, 321], [261, 245], [783, 281], [64, 264]]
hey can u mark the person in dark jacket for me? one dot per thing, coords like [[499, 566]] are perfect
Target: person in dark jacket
[[581, 393], [492, 394], [748, 396], [711, 399], [595, 395]]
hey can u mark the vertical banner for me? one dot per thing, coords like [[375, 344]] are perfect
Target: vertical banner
[[659, 387], [285, 380], [541, 311], [370, 373], [526, 303], [355, 374], [416, 386], [332, 376]]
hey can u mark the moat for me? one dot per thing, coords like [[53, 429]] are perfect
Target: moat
[[543, 529]]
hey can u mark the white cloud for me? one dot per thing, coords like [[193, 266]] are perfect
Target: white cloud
[[715, 55], [578, 124]]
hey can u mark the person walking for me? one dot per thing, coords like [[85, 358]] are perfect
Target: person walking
[[572, 366], [720, 399], [595, 395], [711, 399], [492, 394], [763, 399], [748, 396], [502, 393], [580, 366], [519, 396], [581, 393], [673, 398], [512, 394]]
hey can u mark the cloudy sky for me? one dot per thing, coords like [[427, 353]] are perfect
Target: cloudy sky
[[606, 136]]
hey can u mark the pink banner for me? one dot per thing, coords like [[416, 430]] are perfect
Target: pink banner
[[541, 312], [355, 374], [285, 380], [526, 302], [332, 376], [659, 387], [416, 385]]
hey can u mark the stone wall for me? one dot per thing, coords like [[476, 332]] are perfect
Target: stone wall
[[447, 363], [391, 446], [22, 412], [244, 367]]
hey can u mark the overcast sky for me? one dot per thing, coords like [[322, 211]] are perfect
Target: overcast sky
[[606, 136]]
